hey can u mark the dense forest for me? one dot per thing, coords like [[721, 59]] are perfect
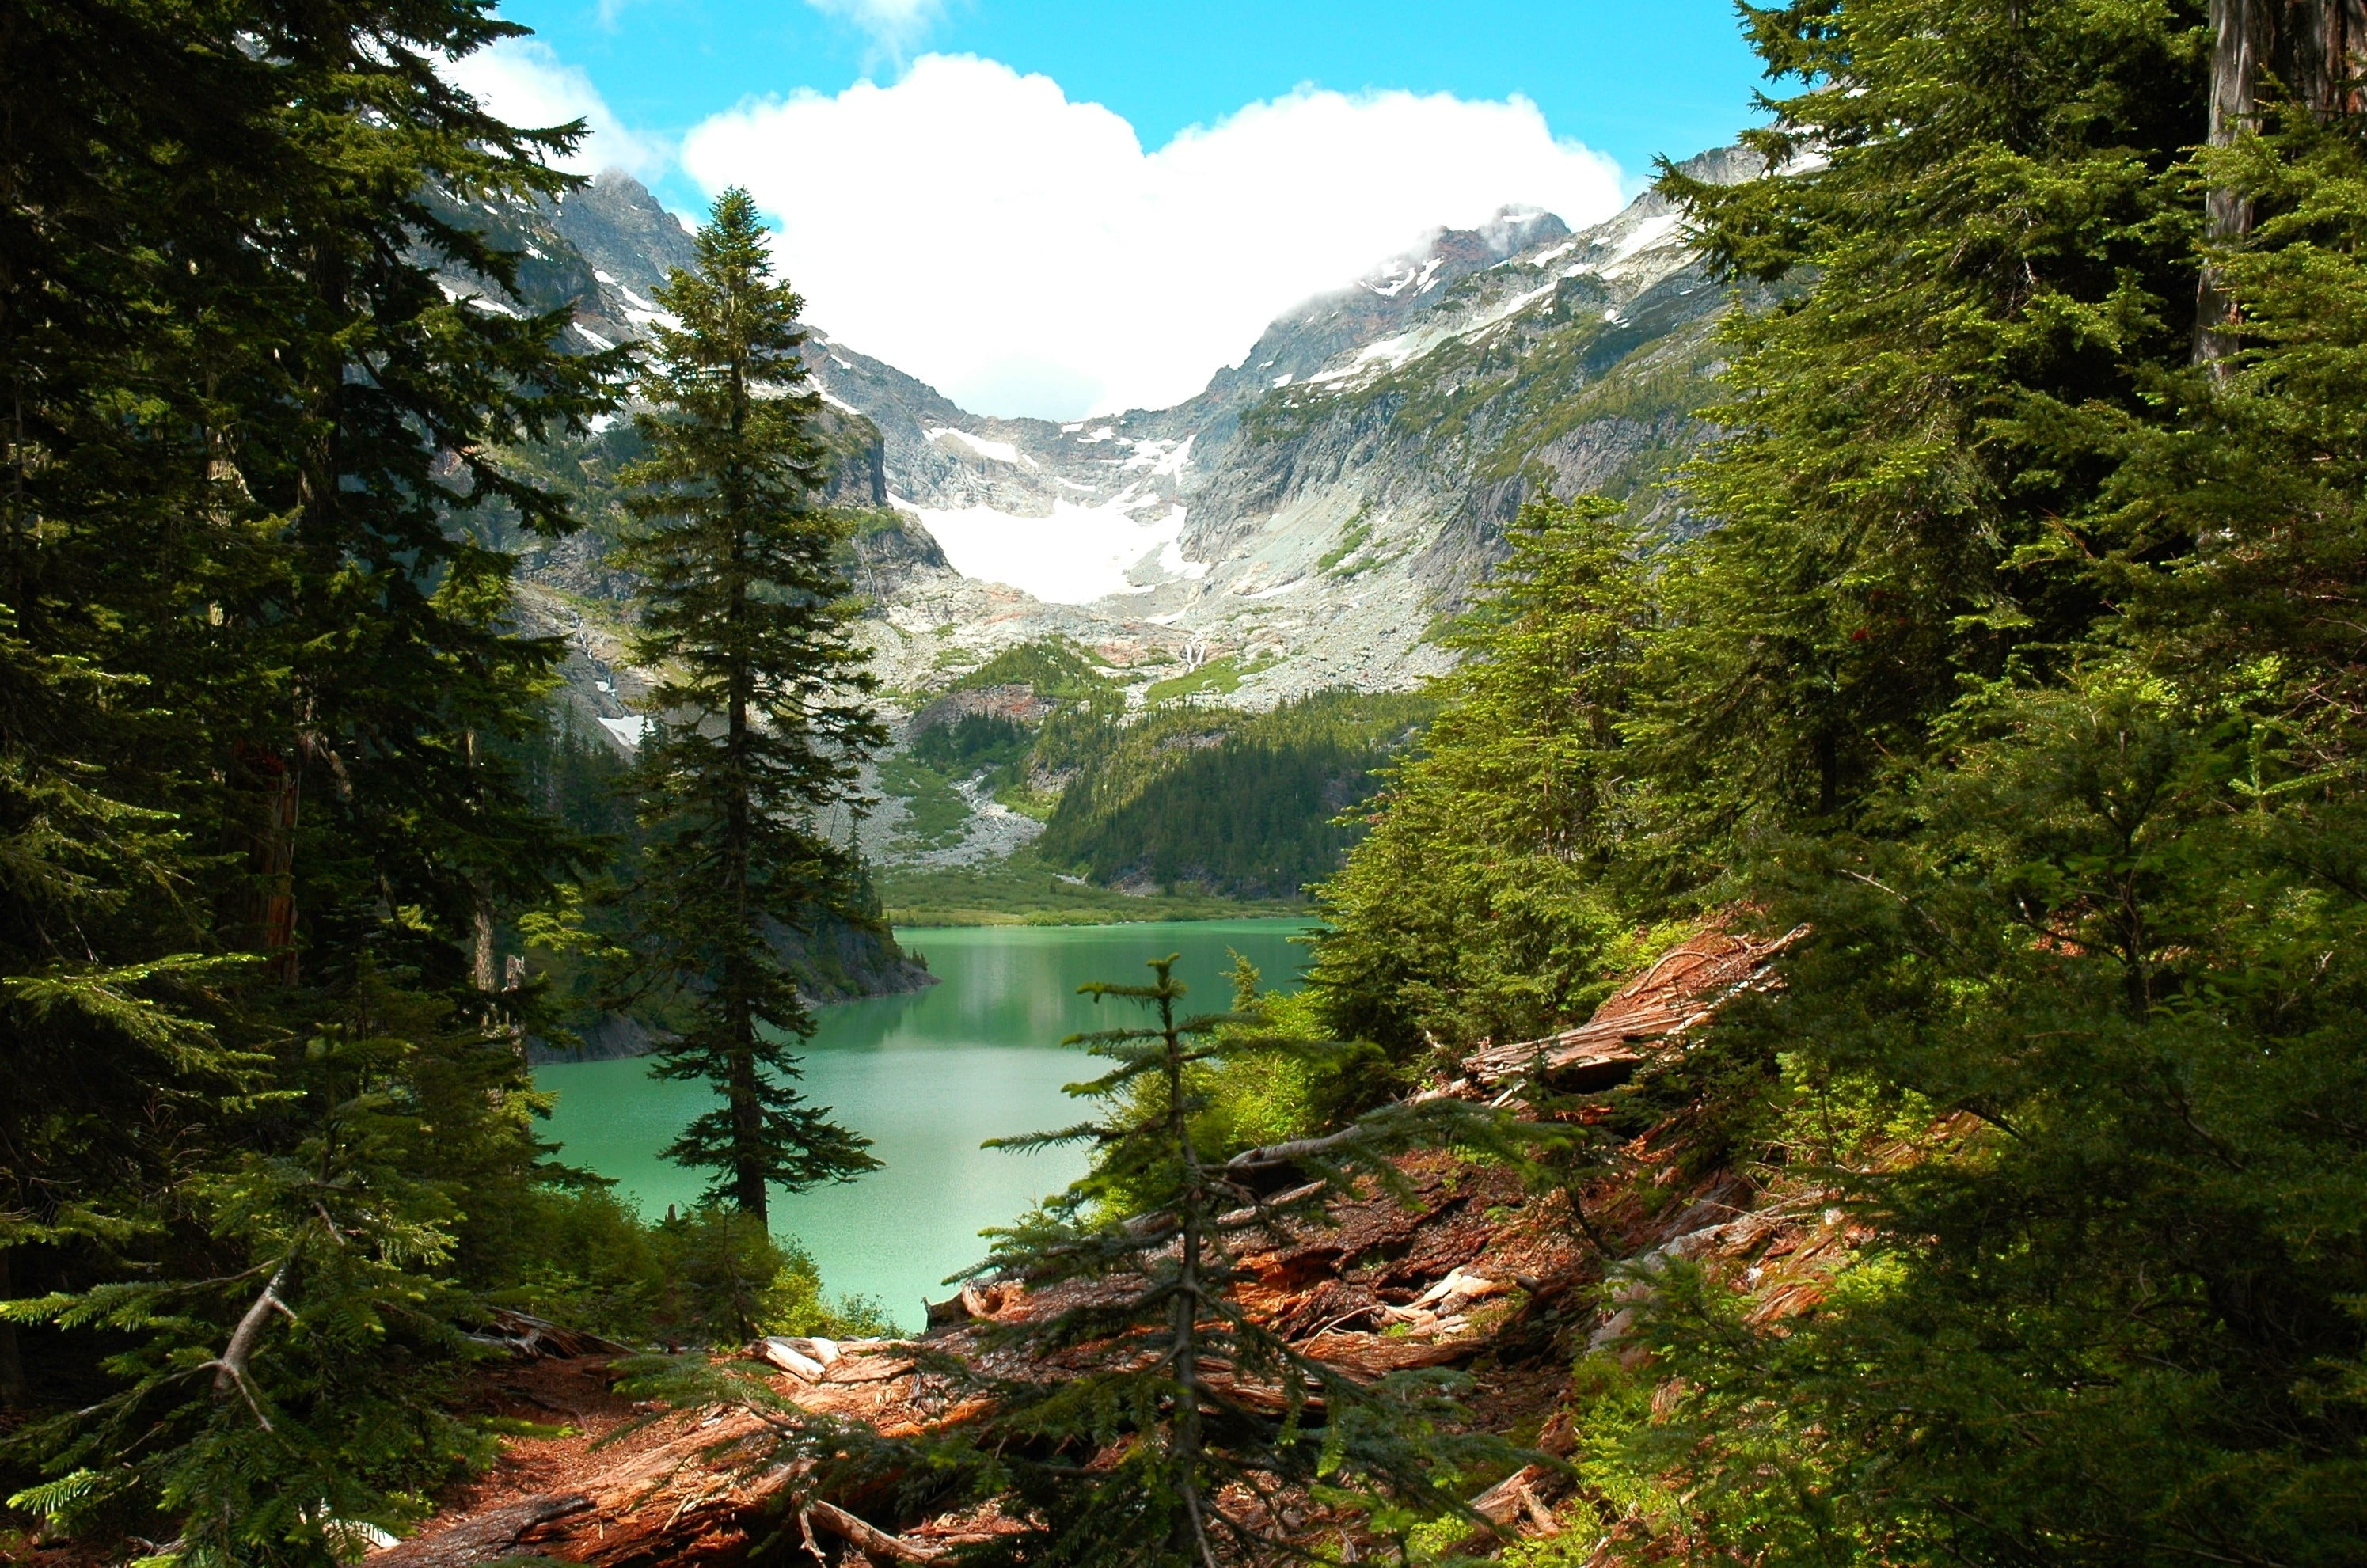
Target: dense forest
[[1184, 796], [2019, 668], [284, 810], [2007, 687], [1253, 806]]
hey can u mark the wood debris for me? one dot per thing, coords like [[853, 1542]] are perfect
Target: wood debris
[[1656, 1010], [1469, 1270]]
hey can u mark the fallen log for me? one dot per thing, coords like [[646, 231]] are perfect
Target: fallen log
[[873, 1540], [487, 1537], [1509, 1498], [1678, 993]]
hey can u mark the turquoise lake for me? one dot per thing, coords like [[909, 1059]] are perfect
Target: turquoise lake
[[928, 1077]]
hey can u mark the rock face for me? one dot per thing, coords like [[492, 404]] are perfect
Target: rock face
[[1314, 513], [1323, 505]]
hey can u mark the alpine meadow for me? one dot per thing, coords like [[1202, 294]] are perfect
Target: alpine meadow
[[1810, 729]]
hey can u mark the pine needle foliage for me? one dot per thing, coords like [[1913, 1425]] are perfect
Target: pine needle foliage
[[260, 1127], [760, 723], [1136, 1346], [2018, 663], [1476, 906], [1133, 1413]]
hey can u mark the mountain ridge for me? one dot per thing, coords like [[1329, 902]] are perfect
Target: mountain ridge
[[1311, 516]]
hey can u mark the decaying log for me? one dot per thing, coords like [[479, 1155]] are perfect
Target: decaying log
[[533, 1338], [1680, 992], [873, 1540], [487, 1538], [1377, 1356], [696, 1487], [1509, 1498]]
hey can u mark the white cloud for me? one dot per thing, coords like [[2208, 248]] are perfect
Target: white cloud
[[894, 25], [523, 82], [1022, 252]]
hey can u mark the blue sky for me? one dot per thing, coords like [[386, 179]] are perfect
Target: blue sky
[[1057, 209], [1628, 79]]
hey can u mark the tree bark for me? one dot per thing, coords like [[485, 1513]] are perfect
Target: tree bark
[[263, 918], [12, 1364], [482, 969], [747, 1109], [2313, 51]]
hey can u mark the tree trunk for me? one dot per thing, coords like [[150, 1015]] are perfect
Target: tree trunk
[[484, 972], [12, 1363], [747, 1109], [2313, 51], [262, 917], [1185, 1321]]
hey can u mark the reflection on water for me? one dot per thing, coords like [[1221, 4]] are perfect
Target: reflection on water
[[928, 1077]]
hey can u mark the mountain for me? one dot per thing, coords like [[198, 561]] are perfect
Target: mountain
[[1305, 524], [1307, 521], [1310, 517]]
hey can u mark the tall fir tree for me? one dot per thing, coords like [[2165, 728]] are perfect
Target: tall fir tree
[[760, 722], [2019, 663], [260, 1125]]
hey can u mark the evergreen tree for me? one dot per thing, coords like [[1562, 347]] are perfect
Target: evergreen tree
[[1138, 1413], [1980, 215], [2012, 667], [1477, 906], [263, 1130], [1210, 1415], [759, 724]]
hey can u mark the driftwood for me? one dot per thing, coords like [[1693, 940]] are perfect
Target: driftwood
[[1657, 1009]]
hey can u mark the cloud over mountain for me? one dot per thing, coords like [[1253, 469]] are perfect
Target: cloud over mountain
[[1025, 252], [526, 83]]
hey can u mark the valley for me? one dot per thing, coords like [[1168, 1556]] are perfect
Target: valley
[[1130, 601]]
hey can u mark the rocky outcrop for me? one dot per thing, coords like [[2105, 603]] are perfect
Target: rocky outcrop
[[1014, 703]]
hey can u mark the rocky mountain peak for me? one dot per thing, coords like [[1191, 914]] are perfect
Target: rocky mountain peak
[[1301, 341], [617, 225]]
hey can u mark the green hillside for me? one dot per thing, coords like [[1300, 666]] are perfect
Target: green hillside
[[1208, 799]]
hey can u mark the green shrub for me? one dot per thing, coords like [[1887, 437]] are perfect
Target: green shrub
[[711, 1276]]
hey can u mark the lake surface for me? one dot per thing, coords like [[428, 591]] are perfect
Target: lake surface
[[928, 1077]]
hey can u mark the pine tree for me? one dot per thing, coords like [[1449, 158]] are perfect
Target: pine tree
[[1145, 1418], [759, 724], [1979, 218], [1478, 906], [1211, 1416], [249, 1074], [2079, 862]]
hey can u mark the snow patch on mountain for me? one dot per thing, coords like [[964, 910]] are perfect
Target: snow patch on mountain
[[994, 451], [1075, 555]]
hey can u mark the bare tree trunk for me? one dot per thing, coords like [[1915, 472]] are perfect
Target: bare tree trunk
[[481, 968], [2313, 52], [263, 918]]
